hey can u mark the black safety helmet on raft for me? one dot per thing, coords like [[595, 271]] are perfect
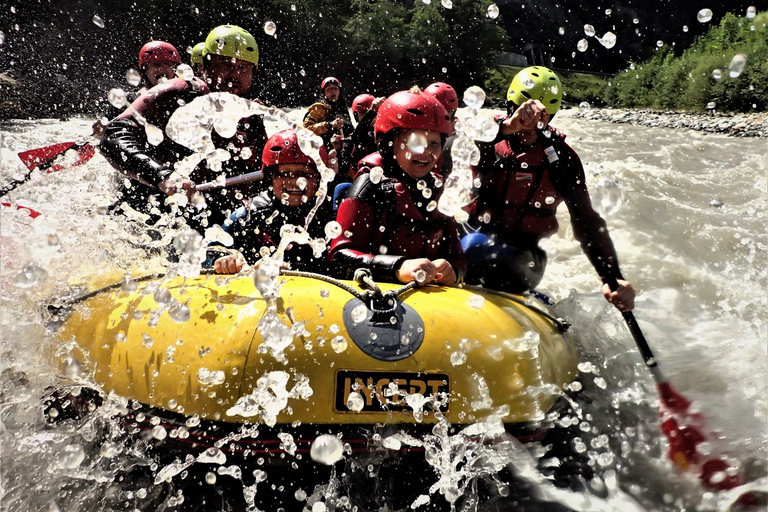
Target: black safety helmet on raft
[[536, 83]]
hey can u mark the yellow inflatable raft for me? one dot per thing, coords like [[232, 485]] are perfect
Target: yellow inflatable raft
[[212, 347]]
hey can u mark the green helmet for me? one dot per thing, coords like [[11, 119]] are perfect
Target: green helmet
[[537, 83], [232, 41], [197, 54]]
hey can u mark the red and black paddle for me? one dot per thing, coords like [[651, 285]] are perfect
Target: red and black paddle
[[45, 159], [683, 427], [29, 211]]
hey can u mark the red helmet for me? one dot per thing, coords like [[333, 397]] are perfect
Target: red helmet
[[412, 110], [445, 94], [283, 148], [362, 103], [158, 51], [330, 80]]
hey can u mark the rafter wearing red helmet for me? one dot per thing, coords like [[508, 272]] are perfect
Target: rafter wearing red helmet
[[294, 180], [389, 221]]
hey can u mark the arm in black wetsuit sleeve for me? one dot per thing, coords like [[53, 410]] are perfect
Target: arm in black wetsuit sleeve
[[351, 250], [125, 145], [589, 228]]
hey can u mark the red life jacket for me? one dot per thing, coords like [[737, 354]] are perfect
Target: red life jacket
[[384, 222], [526, 200]]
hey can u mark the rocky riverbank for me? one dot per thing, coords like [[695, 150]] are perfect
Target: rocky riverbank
[[735, 125]]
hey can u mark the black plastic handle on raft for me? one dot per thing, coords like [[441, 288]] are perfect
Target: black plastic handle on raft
[[634, 328]]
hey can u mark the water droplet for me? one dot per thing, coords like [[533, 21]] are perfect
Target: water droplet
[[339, 344], [716, 203], [207, 377], [212, 456], [685, 28], [376, 174], [737, 65], [30, 275], [448, 4], [589, 30], [608, 12], [184, 71], [474, 97], [421, 276], [71, 456], [332, 229], [188, 243], [159, 432], [561, 31], [180, 313], [477, 301], [608, 40], [704, 15], [117, 98], [210, 478], [98, 21], [582, 45], [2, 37], [163, 296], [751, 11], [607, 196], [549, 200], [711, 105], [355, 402], [431, 206], [133, 77], [426, 2], [359, 313], [326, 449], [717, 74], [154, 134], [270, 28], [417, 142], [146, 341], [659, 43], [458, 358], [493, 11]]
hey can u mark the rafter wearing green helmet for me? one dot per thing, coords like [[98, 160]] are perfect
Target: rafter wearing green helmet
[[232, 41], [536, 83], [197, 54]]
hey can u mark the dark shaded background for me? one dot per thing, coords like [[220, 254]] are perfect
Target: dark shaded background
[[55, 60]]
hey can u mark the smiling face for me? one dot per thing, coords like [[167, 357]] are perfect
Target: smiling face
[[159, 70], [295, 184], [227, 74], [417, 151]]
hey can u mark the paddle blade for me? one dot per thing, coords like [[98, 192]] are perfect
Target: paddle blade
[[84, 153], [32, 213], [43, 158], [34, 158], [671, 400]]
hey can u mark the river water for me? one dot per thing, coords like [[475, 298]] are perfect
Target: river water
[[690, 231]]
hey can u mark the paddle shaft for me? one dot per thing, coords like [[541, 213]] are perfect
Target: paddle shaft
[[230, 182], [15, 183], [637, 334]]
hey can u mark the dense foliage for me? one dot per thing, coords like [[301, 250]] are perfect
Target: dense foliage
[[699, 78], [55, 60], [58, 61]]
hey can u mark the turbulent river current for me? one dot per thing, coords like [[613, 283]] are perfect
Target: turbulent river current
[[687, 213]]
